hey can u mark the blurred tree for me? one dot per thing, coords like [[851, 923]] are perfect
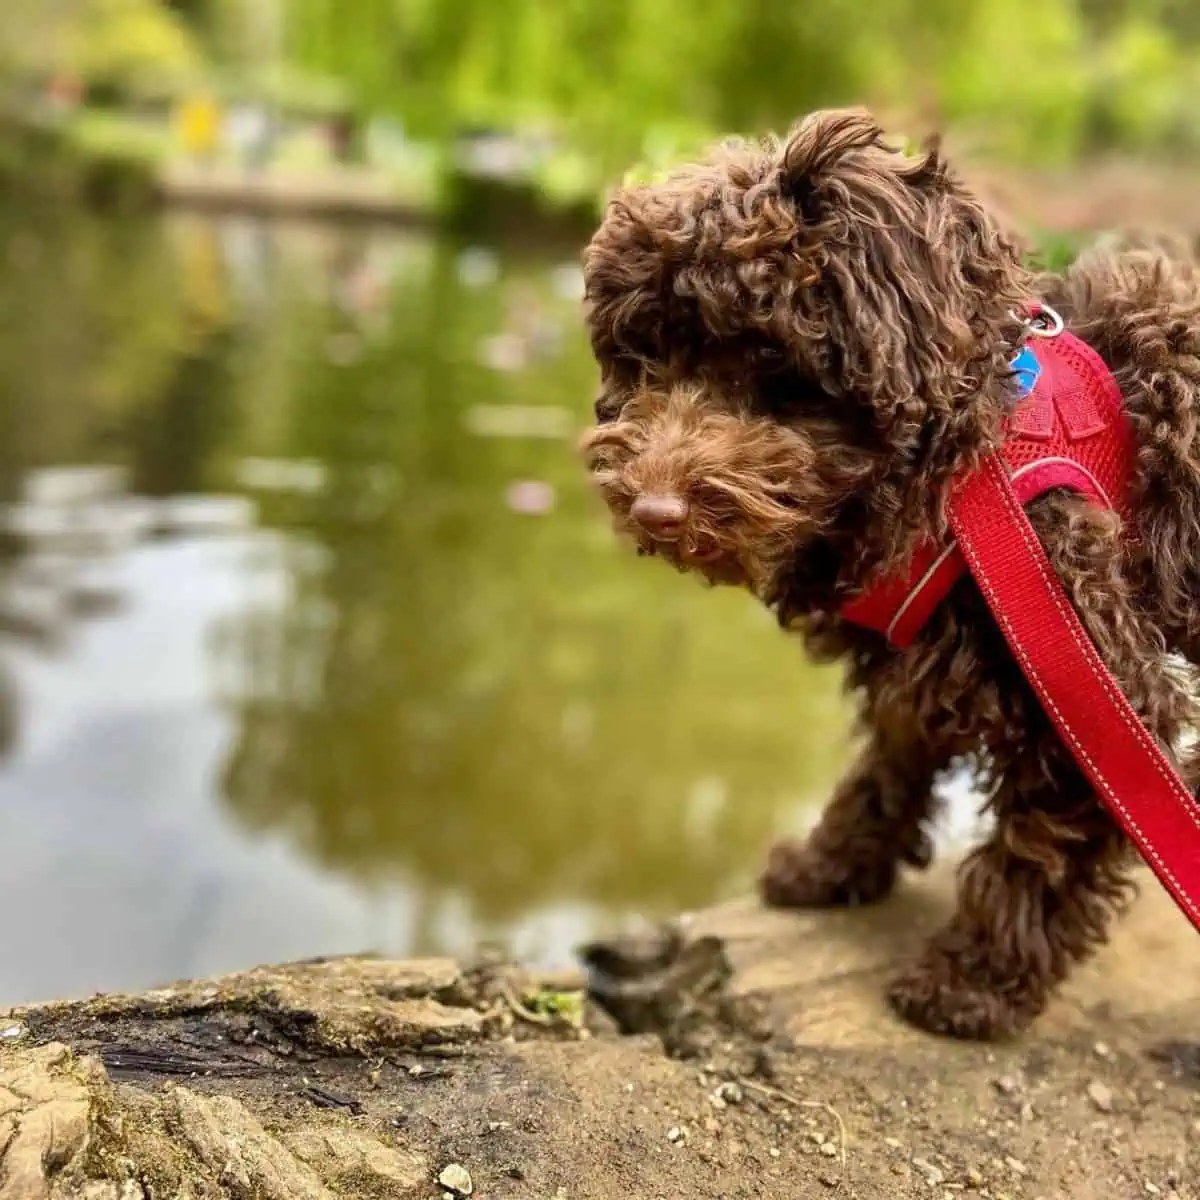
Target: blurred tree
[[621, 77], [108, 44], [198, 13]]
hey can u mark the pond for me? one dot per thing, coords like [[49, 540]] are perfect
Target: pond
[[313, 639]]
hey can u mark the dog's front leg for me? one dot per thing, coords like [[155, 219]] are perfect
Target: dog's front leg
[[1032, 901], [875, 822]]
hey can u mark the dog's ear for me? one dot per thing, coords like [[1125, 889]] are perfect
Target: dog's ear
[[819, 143], [915, 284]]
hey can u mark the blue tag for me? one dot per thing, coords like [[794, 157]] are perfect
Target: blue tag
[[1026, 370]]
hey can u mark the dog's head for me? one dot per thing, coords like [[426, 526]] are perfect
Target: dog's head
[[791, 339]]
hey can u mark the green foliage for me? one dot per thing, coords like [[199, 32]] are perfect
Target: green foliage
[[1055, 251], [1036, 79], [119, 45], [292, 91], [1147, 87], [115, 162], [129, 43], [999, 76], [93, 155], [561, 1006], [98, 135]]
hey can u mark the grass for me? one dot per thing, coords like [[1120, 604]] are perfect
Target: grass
[[562, 1006], [1055, 251]]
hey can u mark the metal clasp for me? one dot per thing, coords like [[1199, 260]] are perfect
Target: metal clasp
[[1045, 322]]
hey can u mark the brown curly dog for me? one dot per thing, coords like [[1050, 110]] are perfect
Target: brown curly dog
[[801, 344]]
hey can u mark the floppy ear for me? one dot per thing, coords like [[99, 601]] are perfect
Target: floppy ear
[[917, 286]]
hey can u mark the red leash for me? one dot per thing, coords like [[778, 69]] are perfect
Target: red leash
[[1097, 723]]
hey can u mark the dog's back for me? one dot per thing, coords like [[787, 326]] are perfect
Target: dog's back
[[1136, 300]]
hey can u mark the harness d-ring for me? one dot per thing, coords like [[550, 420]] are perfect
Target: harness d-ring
[[1044, 313]]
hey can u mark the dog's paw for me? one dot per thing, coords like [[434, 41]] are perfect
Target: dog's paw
[[799, 876], [937, 995]]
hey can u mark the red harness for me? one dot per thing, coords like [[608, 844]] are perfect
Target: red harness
[[1070, 431]]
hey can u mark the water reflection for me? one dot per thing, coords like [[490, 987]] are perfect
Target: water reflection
[[378, 676]]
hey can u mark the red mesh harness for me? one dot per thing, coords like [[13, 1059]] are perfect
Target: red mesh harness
[[1070, 430]]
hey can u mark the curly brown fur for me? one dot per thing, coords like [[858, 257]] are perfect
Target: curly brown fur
[[801, 343]]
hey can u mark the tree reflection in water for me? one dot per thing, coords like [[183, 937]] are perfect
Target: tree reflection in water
[[443, 681], [500, 704]]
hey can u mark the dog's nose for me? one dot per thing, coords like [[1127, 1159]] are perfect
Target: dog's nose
[[661, 516]]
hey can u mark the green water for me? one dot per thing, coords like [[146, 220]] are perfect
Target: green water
[[383, 679]]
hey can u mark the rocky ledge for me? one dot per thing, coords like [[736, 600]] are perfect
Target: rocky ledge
[[738, 1053]]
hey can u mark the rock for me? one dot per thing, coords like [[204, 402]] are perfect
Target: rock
[[44, 1122], [1101, 1096], [347, 1005], [356, 1161], [675, 1135], [829, 1150], [731, 1093], [456, 1179], [934, 1175], [1006, 1085], [656, 981], [248, 1161], [106, 1189]]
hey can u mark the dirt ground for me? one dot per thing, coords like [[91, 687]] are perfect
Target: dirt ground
[[766, 1066]]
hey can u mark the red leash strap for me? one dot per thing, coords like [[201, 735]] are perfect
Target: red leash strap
[[1097, 723]]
